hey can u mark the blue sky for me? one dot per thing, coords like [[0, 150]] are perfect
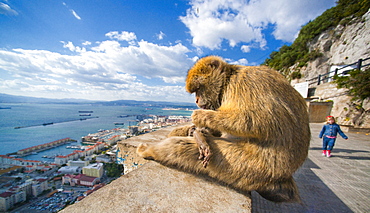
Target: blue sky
[[136, 50]]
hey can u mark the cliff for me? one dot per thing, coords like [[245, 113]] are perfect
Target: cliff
[[340, 45]]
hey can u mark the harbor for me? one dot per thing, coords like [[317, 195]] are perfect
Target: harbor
[[42, 147]]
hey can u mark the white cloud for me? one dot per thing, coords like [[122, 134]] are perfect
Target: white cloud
[[6, 10], [73, 48], [240, 21], [130, 37], [245, 48], [86, 43], [160, 35], [75, 15], [241, 61], [105, 71], [72, 11]]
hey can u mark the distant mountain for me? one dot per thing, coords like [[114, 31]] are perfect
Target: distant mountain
[[5, 98]]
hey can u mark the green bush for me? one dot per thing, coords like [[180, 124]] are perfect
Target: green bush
[[296, 75], [113, 169], [357, 84]]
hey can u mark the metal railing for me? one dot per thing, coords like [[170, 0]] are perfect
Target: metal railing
[[323, 78]]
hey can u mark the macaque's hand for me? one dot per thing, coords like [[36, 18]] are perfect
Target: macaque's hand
[[201, 117]]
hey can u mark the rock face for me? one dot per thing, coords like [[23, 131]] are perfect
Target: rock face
[[344, 110], [341, 45]]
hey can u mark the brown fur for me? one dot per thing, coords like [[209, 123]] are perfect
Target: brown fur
[[189, 130], [264, 122]]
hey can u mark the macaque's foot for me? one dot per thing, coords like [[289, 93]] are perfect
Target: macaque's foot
[[143, 151], [204, 149], [205, 155], [286, 191]]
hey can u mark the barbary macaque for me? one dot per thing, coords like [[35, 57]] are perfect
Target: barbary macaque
[[264, 125]]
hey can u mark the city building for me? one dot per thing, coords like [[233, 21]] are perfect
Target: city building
[[70, 170], [25, 187], [39, 186], [78, 163], [8, 161], [80, 179], [9, 199], [103, 158], [93, 170]]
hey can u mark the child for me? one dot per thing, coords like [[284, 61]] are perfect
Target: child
[[329, 132]]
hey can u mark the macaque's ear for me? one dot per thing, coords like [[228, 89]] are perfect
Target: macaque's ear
[[192, 85], [214, 64]]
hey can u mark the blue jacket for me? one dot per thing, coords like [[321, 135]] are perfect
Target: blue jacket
[[332, 130]]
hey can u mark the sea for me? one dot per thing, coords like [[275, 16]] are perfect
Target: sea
[[29, 124]]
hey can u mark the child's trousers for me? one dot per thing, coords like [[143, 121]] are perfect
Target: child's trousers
[[328, 143]]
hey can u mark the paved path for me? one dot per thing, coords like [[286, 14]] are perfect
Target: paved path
[[340, 183]]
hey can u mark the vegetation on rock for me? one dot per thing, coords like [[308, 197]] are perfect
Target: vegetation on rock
[[113, 169], [357, 84], [298, 53]]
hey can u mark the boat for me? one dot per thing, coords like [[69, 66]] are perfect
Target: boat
[[85, 111], [45, 124], [74, 147], [85, 115], [122, 116], [118, 123]]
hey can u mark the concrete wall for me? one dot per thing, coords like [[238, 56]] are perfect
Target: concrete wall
[[319, 110]]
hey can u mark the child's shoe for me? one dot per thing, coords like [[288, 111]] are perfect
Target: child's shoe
[[328, 153], [323, 152]]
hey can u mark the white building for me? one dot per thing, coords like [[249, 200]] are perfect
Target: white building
[[70, 170], [78, 163], [38, 186], [103, 158], [9, 199]]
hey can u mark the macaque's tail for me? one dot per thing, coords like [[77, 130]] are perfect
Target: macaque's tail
[[285, 191]]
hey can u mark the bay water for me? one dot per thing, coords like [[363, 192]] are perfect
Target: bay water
[[43, 123]]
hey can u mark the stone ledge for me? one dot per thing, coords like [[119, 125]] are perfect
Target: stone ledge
[[126, 153], [156, 188]]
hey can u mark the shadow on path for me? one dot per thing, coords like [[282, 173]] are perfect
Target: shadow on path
[[315, 195], [347, 151]]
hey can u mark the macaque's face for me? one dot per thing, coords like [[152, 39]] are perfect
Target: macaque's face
[[201, 104], [207, 99]]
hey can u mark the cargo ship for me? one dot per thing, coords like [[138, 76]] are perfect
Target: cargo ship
[[85, 115]]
